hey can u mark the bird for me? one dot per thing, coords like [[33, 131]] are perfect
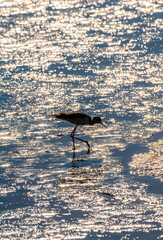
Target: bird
[[78, 118]]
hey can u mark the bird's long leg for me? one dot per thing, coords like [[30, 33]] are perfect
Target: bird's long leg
[[73, 132], [83, 141], [72, 136]]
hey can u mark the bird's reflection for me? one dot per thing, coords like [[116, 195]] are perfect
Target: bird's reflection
[[83, 172]]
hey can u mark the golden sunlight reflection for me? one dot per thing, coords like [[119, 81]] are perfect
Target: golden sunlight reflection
[[149, 163], [102, 58], [8, 136]]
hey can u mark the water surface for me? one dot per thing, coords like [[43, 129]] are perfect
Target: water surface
[[102, 58]]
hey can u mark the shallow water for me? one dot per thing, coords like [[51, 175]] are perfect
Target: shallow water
[[98, 57]]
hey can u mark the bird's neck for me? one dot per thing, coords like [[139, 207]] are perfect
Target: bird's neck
[[92, 122]]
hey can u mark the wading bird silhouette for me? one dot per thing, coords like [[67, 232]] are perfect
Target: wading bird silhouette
[[78, 118]]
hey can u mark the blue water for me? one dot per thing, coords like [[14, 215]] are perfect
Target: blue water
[[103, 58]]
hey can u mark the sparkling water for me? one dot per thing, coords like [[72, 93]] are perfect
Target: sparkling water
[[102, 58]]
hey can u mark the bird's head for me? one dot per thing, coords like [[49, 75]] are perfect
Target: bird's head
[[98, 120]]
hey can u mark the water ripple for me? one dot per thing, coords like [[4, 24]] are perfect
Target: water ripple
[[99, 57]]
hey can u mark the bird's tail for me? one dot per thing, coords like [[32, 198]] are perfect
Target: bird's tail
[[52, 116], [59, 116]]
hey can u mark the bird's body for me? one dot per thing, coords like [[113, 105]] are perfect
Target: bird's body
[[78, 119], [75, 118]]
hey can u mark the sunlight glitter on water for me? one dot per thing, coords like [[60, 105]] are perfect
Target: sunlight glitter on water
[[98, 57]]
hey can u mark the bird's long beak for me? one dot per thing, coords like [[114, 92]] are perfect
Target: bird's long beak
[[104, 125]]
